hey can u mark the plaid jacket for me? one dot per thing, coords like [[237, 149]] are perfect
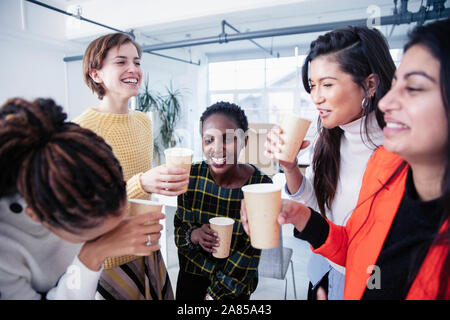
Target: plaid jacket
[[231, 277]]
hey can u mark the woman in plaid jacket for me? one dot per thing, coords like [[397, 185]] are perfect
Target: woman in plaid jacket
[[215, 190]]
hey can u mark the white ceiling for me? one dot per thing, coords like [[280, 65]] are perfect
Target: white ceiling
[[203, 19]]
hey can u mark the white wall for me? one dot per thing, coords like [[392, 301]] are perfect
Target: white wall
[[30, 70], [79, 96], [33, 45], [32, 52], [31, 60], [191, 80]]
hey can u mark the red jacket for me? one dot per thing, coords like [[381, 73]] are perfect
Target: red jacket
[[358, 244]]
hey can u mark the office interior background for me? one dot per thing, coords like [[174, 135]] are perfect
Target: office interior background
[[249, 52]]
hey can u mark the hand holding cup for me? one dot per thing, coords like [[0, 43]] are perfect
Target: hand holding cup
[[206, 237], [129, 237], [244, 217], [295, 213], [292, 212], [263, 204], [165, 181], [223, 226], [274, 145]]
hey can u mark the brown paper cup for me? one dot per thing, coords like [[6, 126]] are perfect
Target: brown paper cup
[[294, 131], [139, 206], [263, 204], [224, 228], [179, 158]]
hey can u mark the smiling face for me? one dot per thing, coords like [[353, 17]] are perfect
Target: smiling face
[[121, 73], [416, 123], [221, 142], [337, 97]]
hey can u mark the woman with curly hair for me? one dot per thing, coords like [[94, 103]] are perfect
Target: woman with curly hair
[[62, 205]]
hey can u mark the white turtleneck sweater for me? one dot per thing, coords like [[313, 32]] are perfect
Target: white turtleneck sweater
[[354, 155], [35, 263]]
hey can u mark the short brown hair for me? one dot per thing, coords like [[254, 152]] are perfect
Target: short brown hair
[[95, 55]]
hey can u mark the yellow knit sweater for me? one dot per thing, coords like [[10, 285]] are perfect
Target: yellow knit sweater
[[130, 137]]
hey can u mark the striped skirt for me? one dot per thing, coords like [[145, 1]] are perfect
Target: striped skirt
[[145, 278]]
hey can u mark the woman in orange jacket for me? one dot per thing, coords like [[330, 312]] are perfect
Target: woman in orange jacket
[[395, 244]]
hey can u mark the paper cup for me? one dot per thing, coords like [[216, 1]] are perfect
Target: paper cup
[[139, 206], [224, 228], [263, 204], [294, 131], [179, 158]]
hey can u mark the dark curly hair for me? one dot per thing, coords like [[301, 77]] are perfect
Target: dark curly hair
[[68, 175], [231, 110]]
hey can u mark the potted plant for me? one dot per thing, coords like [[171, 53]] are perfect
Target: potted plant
[[145, 100], [167, 108]]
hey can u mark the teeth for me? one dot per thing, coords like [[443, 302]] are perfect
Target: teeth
[[218, 160], [130, 81], [396, 125]]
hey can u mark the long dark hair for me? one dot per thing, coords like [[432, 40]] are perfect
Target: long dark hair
[[435, 37], [68, 175], [360, 51]]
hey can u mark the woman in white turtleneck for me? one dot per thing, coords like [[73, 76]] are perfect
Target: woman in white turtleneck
[[347, 72], [354, 155]]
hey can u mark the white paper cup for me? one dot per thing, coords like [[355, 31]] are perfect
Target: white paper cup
[[293, 133], [139, 206], [263, 204], [224, 228], [179, 158]]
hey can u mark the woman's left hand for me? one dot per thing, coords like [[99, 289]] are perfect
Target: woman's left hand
[[130, 237]]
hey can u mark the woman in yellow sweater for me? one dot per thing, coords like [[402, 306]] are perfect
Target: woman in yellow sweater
[[111, 68]]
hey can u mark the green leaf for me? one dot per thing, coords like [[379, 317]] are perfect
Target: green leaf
[[168, 108]]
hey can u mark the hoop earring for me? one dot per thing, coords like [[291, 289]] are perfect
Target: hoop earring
[[364, 103]]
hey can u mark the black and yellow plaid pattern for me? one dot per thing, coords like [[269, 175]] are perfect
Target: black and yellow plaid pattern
[[231, 277]]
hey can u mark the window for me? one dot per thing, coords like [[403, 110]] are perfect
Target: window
[[267, 88], [264, 88]]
